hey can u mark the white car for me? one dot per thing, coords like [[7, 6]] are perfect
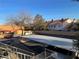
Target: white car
[[28, 32]]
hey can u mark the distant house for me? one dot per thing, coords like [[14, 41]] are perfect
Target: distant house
[[11, 28], [59, 24]]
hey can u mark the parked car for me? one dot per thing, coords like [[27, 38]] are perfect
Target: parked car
[[28, 32], [7, 34]]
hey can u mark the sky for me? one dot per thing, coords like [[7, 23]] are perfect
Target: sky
[[49, 9]]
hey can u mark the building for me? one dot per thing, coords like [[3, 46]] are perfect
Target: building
[[11, 28], [60, 24]]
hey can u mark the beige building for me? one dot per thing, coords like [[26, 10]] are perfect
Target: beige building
[[13, 28]]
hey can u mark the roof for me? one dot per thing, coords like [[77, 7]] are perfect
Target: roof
[[53, 41], [8, 28], [62, 21], [55, 22]]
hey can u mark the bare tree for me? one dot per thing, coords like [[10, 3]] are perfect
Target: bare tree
[[22, 20], [38, 22]]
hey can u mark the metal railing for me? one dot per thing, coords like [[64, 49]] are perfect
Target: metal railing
[[17, 52], [47, 54], [23, 54]]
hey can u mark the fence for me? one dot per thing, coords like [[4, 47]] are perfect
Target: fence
[[11, 52], [47, 54], [17, 53]]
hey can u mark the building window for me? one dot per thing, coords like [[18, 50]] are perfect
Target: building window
[[54, 26]]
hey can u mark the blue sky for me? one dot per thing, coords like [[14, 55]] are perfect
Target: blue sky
[[47, 8]]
